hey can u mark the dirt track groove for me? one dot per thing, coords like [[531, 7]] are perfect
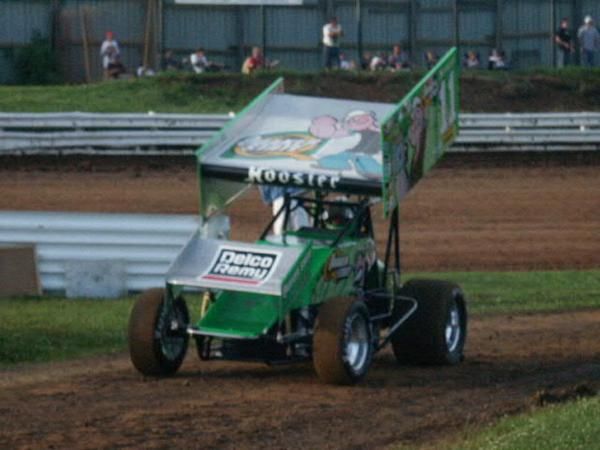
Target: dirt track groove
[[248, 406]]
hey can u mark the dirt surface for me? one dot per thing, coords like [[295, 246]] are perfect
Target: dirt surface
[[508, 212], [511, 362], [472, 212]]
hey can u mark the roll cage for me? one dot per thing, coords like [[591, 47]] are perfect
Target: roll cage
[[357, 222]]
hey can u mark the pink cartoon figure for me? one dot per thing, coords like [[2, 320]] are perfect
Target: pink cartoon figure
[[358, 157]]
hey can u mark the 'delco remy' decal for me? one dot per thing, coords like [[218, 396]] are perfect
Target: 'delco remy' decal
[[248, 267]]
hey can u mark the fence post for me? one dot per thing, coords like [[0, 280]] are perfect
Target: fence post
[[359, 36], [499, 6], [456, 24], [412, 22]]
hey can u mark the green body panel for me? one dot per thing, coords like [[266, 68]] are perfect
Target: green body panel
[[417, 132], [320, 273], [242, 313]]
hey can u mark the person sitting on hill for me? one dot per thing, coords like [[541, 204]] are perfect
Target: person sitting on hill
[[496, 60], [471, 60], [398, 60], [256, 61]]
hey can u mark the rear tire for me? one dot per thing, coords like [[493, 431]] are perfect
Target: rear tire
[[342, 344], [157, 343], [436, 333]]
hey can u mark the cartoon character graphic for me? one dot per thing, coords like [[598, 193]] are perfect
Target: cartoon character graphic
[[359, 156], [417, 133]]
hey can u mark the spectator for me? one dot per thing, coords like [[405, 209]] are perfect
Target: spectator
[[199, 61], [471, 60], [496, 60], [589, 40], [346, 64], [110, 53], [144, 71], [257, 61], [169, 62], [365, 62], [378, 62], [254, 62], [564, 44], [332, 32], [431, 59], [115, 67], [398, 60]]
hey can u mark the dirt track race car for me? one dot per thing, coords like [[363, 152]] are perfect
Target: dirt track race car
[[311, 287]]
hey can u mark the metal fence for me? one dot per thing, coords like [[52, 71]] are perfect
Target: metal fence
[[291, 34], [145, 244], [87, 133]]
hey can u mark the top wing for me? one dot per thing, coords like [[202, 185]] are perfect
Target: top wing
[[303, 142], [316, 143]]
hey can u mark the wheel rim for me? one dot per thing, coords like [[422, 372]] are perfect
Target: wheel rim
[[453, 328], [357, 342], [171, 343]]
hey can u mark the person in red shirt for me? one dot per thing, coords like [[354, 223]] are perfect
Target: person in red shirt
[[254, 62]]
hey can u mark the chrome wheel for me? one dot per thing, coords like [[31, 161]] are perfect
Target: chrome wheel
[[357, 342], [453, 328], [168, 331]]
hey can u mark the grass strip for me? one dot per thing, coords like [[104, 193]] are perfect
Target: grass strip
[[47, 328]]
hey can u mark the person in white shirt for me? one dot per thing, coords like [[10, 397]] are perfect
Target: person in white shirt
[[332, 32], [199, 61], [109, 51]]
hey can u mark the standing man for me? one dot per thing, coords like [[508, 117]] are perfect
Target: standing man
[[564, 44], [109, 52], [589, 40], [332, 32]]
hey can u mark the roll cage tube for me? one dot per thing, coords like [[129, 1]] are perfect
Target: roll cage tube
[[359, 224]]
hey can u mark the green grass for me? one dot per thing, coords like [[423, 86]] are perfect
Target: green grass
[[221, 93], [37, 330], [45, 329], [570, 426], [517, 292], [164, 95]]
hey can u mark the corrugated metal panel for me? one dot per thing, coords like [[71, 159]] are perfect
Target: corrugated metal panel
[[125, 18], [191, 27], [435, 26], [477, 25], [526, 16], [346, 15], [147, 243], [252, 31], [20, 19], [435, 3], [386, 26], [294, 26]]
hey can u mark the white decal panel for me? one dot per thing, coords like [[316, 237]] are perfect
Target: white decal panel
[[241, 266]]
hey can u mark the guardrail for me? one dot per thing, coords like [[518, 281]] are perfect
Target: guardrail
[[528, 132], [87, 133], [144, 245]]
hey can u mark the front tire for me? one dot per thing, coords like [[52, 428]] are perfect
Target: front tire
[[436, 333], [342, 344], [157, 337]]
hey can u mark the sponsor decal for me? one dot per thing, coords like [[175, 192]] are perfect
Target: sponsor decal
[[338, 267], [259, 175], [247, 267], [291, 145]]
